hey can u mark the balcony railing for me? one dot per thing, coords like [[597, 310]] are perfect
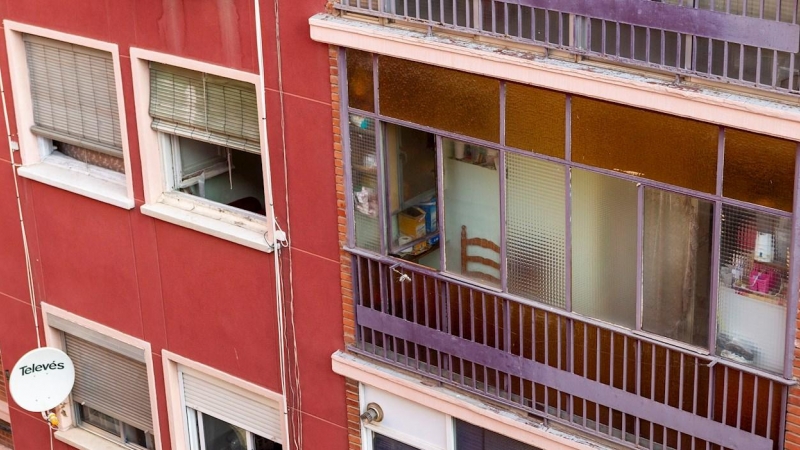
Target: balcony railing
[[746, 42], [609, 382]]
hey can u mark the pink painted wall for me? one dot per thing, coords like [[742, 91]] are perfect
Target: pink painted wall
[[198, 296]]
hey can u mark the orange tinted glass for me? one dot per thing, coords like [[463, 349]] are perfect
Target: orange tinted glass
[[535, 119], [759, 169], [644, 143], [360, 91], [446, 99]]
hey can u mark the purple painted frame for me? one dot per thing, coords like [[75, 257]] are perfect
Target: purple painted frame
[[718, 25]]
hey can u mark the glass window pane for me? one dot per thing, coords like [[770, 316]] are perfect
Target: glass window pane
[[759, 169], [472, 211], [604, 223], [105, 422], [535, 119], [220, 435], [360, 87], [754, 265], [677, 265], [473, 437], [364, 172], [227, 176], [381, 442], [657, 146], [260, 443], [536, 229], [441, 98], [413, 189], [138, 437]]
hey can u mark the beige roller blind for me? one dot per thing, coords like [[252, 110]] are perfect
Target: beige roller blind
[[255, 414], [110, 383], [204, 107], [73, 95]]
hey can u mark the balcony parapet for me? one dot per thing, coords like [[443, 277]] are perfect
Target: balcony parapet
[[594, 377]]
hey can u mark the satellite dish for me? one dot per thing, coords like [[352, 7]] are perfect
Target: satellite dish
[[42, 379]]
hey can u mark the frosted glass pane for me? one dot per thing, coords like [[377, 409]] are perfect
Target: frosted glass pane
[[364, 168], [360, 91], [441, 98], [759, 169], [536, 119], [677, 265], [471, 210], [536, 229], [751, 313], [604, 247], [644, 143]]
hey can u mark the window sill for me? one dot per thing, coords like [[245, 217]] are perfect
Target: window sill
[[84, 440], [214, 227], [93, 182]]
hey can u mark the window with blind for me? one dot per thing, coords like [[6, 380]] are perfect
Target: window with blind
[[221, 416], [209, 134], [111, 395], [74, 100], [473, 437]]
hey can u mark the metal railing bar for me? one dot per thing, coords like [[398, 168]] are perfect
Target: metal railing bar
[[559, 43], [560, 381], [708, 359]]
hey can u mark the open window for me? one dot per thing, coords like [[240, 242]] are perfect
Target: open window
[[209, 137]]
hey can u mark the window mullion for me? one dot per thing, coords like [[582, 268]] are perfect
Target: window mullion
[[715, 261], [502, 169], [639, 255], [568, 207], [794, 274], [383, 189], [440, 218], [716, 245], [344, 130], [201, 432], [503, 237]]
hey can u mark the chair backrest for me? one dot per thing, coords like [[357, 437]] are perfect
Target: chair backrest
[[466, 258]]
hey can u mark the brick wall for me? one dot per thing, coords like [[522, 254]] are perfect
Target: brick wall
[[5, 427], [3, 395], [348, 306], [5, 436]]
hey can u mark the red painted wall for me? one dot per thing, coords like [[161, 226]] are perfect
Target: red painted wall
[[198, 296]]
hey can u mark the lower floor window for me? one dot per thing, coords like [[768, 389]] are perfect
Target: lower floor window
[[381, 442], [95, 420], [209, 433]]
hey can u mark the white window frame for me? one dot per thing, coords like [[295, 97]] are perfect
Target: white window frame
[[174, 364], [38, 161], [70, 430], [248, 229], [445, 401]]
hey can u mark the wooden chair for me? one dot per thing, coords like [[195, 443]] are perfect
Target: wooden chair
[[466, 258]]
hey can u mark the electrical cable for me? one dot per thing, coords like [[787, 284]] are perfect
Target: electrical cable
[[26, 249], [294, 376], [28, 265]]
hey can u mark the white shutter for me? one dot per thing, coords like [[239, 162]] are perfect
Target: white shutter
[[199, 106], [73, 92], [110, 383], [255, 414]]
